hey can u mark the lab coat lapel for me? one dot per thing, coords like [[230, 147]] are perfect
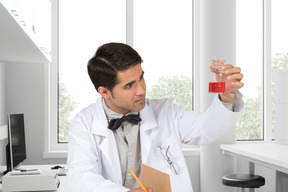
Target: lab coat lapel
[[109, 149], [147, 126], [106, 140]]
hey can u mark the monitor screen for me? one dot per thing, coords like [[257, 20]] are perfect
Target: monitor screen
[[16, 148]]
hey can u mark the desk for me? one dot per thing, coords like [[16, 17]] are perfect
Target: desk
[[270, 155], [63, 179]]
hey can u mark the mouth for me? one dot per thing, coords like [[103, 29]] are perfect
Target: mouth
[[141, 100]]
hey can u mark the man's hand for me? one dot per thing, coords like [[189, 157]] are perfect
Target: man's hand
[[148, 189], [232, 77]]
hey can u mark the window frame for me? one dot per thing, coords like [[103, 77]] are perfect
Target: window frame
[[53, 149], [267, 69]]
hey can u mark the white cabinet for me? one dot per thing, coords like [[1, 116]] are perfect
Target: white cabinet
[[281, 108], [33, 17], [42, 24], [22, 11]]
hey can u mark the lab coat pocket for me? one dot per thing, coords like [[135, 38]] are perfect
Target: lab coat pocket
[[172, 156]]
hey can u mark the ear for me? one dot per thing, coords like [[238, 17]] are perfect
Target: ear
[[104, 92]]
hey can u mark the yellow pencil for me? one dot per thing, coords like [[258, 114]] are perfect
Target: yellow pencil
[[138, 180]]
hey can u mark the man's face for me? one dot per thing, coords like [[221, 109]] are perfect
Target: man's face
[[129, 93]]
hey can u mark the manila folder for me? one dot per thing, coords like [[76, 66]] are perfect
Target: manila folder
[[157, 180]]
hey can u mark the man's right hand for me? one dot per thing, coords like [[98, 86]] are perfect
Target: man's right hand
[[148, 189]]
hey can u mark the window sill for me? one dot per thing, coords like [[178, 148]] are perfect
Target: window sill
[[193, 151], [55, 155]]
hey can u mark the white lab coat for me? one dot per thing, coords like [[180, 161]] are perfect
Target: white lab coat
[[93, 159]]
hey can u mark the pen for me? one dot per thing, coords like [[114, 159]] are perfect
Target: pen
[[138, 180]]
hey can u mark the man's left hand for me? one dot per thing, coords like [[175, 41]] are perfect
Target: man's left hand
[[232, 77]]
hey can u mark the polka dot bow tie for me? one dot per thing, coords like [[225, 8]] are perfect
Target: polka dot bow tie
[[114, 124]]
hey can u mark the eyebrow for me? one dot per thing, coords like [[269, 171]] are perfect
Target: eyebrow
[[130, 83], [142, 75]]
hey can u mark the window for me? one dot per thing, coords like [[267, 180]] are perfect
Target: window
[[165, 43], [262, 50], [85, 26], [95, 23], [249, 54]]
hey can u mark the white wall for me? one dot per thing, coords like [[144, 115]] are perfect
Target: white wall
[[192, 158], [217, 41], [3, 117], [25, 93]]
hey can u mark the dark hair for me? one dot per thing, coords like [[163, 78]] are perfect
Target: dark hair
[[108, 60]]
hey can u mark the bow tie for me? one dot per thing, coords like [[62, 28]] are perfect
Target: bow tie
[[114, 124]]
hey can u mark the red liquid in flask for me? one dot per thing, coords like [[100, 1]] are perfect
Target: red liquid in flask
[[216, 87]]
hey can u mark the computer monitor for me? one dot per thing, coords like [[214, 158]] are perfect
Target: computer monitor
[[16, 147]]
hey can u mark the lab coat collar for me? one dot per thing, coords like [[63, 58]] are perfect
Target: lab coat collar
[[106, 139], [147, 126], [100, 122], [148, 118]]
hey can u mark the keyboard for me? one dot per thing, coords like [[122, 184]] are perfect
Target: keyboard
[[34, 172], [62, 171]]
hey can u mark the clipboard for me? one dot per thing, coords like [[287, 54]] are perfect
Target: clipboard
[[157, 180]]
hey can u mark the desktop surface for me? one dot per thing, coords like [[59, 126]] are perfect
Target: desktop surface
[[63, 187], [270, 155]]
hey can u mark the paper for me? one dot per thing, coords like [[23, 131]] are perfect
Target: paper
[[157, 180]]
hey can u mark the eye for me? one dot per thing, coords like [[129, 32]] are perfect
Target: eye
[[128, 86]]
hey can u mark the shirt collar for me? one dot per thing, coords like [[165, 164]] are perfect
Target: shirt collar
[[113, 115]]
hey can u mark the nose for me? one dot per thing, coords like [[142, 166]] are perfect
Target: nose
[[141, 89]]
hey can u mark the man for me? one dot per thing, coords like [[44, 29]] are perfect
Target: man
[[101, 154]]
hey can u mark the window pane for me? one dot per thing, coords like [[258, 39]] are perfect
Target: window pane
[[250, 59], [279, 44], [83, 26], [163, 38]]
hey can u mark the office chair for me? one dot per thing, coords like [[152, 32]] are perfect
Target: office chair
[[244, 181]]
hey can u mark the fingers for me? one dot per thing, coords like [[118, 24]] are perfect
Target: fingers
[[230, 69], [238, 84], [148, 189], [235, 77], [232, 73]]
